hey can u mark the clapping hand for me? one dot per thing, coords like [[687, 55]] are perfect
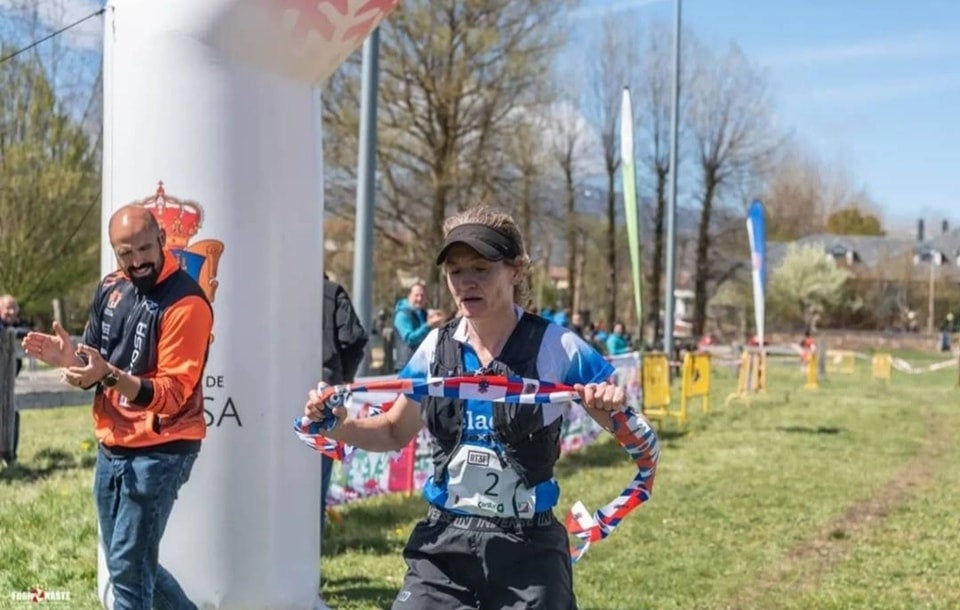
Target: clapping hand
[[53, 349], [89, 374]]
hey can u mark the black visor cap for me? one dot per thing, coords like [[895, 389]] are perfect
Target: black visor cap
[[488, 242]]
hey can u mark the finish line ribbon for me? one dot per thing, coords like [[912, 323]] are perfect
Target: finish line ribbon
[[631, 430]]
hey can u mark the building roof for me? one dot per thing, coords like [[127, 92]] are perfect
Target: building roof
[[949, 244], [880, 257]]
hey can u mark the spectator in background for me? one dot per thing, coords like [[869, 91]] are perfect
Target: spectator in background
[[807, 347], [913, 323], [562, 318], [10, 320], [600, 336], [576, 324], [617, 342], [344, 340], [9, 311], [344, 337], [946, 329], [590, 336], [411, 323], [705, 342]]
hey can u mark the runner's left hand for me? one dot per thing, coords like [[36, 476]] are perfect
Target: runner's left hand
[[602, 396]]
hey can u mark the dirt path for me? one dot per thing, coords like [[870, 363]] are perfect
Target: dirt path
[[806, 563]]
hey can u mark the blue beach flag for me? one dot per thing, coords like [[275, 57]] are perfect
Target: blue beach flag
[[757, 232]]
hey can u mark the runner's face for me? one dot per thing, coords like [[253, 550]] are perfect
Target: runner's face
[[481, 288]]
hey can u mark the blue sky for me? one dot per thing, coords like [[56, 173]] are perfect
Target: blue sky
[[871, 84]]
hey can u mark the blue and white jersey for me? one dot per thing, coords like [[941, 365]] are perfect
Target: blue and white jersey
[[563, 358]]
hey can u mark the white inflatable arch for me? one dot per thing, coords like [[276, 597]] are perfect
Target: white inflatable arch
[[209, 119]]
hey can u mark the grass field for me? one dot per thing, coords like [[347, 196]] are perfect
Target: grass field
[[844, 497]]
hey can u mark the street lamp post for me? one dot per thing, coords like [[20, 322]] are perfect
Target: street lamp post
[[669, 301], [366, 185]]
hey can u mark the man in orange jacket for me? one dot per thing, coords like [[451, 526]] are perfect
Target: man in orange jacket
[[144, 348]]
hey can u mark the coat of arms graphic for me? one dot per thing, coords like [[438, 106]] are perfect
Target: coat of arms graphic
[[181, 220]]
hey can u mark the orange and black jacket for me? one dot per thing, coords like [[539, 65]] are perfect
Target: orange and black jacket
[[160, 336]]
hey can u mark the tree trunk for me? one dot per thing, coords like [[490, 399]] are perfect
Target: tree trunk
[[703, 251], [611, 248], [572, 247], [526, 211], [658, 247], [439, 212], [544, 273], [581, 262]]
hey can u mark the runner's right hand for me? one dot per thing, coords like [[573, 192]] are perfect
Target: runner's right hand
[[326, 405]]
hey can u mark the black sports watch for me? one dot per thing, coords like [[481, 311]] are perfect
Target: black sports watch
[[110, 379]]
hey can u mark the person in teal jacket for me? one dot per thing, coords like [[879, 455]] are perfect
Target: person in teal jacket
[[617, 342], [411, 323]]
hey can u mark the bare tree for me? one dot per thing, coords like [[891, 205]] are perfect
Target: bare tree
[[529, 182], [568, 143], [794, 196], [654, 100], [452, 73], [732, 128], [566, 159], [802, 191], [614, 52], [529, 168]]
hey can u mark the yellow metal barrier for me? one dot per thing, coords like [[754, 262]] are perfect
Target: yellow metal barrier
[[882, 366], [696, 381], [841, 361], [813, 372], [752, 378], [655, 377]]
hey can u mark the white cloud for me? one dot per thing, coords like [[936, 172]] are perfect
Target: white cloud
[[51, 15], [599, 8], [916, 45], [855, 94]]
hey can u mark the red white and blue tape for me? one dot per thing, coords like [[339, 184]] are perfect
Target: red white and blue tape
[[630, 429]]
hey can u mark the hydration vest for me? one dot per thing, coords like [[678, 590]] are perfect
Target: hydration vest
[[529, 447]]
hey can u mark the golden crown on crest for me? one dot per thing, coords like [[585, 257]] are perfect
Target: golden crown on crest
[[180, 219]]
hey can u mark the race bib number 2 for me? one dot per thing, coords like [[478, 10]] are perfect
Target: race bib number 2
[[479, 484]]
